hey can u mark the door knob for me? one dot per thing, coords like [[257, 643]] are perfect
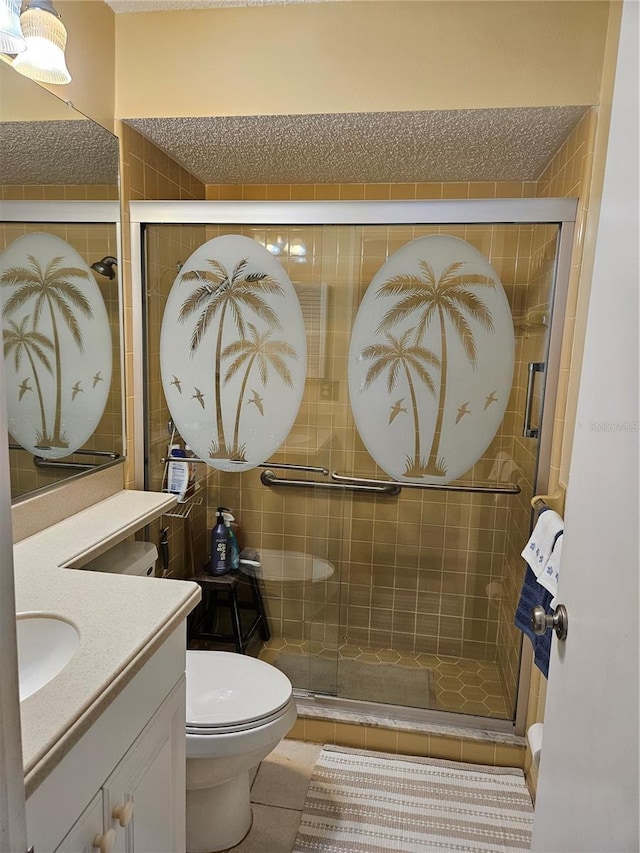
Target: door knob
[[541, 622]]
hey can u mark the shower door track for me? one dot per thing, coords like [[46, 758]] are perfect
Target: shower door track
[[326, 706], [543, 211]]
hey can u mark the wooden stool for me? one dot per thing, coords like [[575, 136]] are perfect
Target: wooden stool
[[221, 591]]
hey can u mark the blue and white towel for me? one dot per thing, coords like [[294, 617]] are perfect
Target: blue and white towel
[[533, 593], [538, 549], [551, 575], [542, 553]]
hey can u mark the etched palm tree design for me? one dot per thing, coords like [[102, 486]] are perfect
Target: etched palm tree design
[[217, 294], [395, 357], [50, 288], [259, 350], [449, 300], [20, 340]]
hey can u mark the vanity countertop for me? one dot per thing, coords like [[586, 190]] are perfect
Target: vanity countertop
[[121, 620]]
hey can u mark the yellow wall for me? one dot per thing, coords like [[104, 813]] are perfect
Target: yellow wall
[[359, 57], [90, 56]]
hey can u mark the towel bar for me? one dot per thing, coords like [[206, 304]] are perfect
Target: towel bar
[[550, 501]]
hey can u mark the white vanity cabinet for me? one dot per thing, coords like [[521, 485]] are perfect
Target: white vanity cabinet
[[121, 787], [142, 795], [88, 827], [135, 811]]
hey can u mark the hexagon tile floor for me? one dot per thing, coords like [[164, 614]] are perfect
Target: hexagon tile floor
[[460, 684]]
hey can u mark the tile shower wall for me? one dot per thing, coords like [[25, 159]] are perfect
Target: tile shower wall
[[187, 536], [61, 192], [532, 323]]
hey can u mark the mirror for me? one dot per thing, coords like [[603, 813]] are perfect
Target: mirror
[[58, 205]]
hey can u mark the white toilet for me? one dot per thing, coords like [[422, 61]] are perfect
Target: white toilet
[[238, 710]]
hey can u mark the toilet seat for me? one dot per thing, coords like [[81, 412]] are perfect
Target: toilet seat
[[229, 692]]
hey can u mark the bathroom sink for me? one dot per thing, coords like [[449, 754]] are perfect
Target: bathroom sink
[[45, 646]]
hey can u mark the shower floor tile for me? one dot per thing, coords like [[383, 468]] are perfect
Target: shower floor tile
[[461, 685]]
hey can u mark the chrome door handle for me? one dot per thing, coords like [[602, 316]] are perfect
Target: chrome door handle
[[541, 622], [529, 431]]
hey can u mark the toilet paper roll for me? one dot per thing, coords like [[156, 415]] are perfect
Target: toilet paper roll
[[534, 739]]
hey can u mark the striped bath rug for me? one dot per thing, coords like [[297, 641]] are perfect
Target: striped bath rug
[[370, 802]]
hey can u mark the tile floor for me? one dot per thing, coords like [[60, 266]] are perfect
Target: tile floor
[[461, 684], [277, 796]]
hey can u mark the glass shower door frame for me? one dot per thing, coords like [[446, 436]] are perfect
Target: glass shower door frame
[[560, 212]]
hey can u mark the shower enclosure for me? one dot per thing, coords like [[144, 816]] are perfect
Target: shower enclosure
[[390, 594]]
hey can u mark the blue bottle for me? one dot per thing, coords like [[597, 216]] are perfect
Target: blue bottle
[[234, 561], [220, 546]]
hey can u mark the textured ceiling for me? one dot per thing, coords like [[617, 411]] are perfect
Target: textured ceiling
[[455, 145], [57, 152]]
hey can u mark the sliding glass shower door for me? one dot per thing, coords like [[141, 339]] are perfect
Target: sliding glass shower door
[[387, 581]]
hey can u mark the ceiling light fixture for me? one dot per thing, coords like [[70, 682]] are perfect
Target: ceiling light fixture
[[11, 38], [46, 39]]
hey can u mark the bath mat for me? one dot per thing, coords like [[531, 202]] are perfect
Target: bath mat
[[370, 802], [354, 679]]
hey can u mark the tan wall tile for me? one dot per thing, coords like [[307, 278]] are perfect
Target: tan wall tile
[[383, 740], [446, 747]]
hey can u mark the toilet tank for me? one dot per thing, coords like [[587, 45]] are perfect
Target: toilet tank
[[126, 558]]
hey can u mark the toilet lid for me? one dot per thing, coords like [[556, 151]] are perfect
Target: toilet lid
[[229, 689]]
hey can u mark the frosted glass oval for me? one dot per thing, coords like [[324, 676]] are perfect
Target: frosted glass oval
[[233, 353], [431, 360], [57, 345]]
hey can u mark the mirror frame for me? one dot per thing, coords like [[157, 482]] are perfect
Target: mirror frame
[[81, 213]]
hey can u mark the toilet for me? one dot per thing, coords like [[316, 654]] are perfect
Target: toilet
[[238, 710]]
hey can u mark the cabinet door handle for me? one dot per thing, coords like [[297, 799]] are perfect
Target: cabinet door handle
[[124, 813], [105, 843]]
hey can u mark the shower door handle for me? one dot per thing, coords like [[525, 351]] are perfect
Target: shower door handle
[[529, 431]]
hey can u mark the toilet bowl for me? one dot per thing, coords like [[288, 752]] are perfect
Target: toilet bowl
[[238, 710]]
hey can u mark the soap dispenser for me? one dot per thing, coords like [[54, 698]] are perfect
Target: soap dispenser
[[220, 546]]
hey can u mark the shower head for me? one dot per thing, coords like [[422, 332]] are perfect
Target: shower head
[[106, 266]]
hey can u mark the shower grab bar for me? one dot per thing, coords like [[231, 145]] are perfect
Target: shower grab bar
[[82, 452], [511, 489], [268, 478], [286, 466], [357, 484], [41, 462], [314, 469]]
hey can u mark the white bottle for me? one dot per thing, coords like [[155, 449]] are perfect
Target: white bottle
[[178, 473]]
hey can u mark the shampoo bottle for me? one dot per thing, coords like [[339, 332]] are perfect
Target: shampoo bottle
[[178, 472], [220, 546], [234, 561]]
